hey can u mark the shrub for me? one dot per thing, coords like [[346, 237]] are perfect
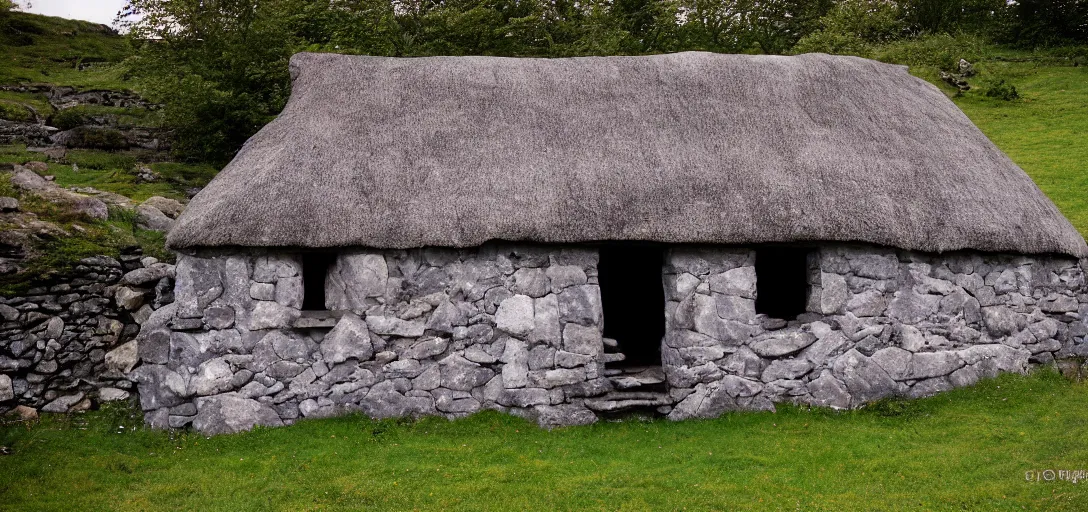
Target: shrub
[[14, 112], [942, 51], [68, 118], [852, 25], [1002, 90], [97, 138]]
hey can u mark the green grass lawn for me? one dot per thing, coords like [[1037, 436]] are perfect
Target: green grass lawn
[[964, 450]]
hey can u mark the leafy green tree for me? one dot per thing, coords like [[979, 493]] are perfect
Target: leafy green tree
[[219, 66], [853, 26], [1049, 22]]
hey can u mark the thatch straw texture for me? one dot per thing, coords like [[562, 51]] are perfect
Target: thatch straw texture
[[689, 147]]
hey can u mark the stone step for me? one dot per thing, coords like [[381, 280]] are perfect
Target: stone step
[[620, 401], [640, 377], [609, 342], [612, 358]]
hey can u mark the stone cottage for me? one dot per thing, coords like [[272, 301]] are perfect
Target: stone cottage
[[567, 239]]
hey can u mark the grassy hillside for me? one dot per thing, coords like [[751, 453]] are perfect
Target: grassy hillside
[[964, 450], [44, 49], [1045, 132]]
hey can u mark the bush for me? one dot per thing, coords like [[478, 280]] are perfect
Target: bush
[[14, 112], [853, 25], [96, 138], [942, 51], [1002, 90], [68, 118]]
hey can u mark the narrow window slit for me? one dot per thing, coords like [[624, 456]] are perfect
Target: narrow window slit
[[315, 268]]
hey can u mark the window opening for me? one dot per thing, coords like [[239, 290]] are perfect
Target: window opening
[[781, 281]]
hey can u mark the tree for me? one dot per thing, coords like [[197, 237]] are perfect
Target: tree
[[1049, 22], [219, 66]]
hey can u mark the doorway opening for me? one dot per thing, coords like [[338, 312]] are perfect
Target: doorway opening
[[633, 299]]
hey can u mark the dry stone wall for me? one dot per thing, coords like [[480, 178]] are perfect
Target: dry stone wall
[[419, 332], [879, 323], [68, 342], [519, 328]]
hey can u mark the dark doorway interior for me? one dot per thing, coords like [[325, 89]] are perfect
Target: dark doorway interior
[[315, 266], [633, 298], [781, 281]]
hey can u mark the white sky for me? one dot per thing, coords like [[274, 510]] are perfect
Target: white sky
[[98, 11]]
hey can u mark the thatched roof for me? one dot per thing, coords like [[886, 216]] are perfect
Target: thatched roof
[[690, 147]]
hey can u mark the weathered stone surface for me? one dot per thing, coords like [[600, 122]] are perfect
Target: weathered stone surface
[[54, 328], [393, 326], [895, 361], [262, 291], [546, 321], [354, 278], [565, 276], [169, 207], [229, 413], [929, 387], [875, 266], [910, 308], [786, 369], [739, 282], [735, 308], [531, 281], [833, 293], [515, 371], [159, 387], [581, 305], [934, 364], [827, 391], [744, 362], [221, 317], [866, 303], [150, 274], [786, 343], [112, 394], [151, 218], [707, 401], [7, 392], [123, 359], [350, 339], [272, 315], [289, 292], [582, 340], [515, 315], [212, 377], [864, 378], [1000, 320], [564, 415], [63, 404]]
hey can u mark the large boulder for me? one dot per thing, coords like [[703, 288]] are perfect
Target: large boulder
[[230, 412], [149, 217], [350, 339], [169, 207]]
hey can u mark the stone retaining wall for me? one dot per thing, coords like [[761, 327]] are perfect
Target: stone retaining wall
[[68, 342], [880, 322]]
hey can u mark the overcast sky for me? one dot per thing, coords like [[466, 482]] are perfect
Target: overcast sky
[[98, 11]]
